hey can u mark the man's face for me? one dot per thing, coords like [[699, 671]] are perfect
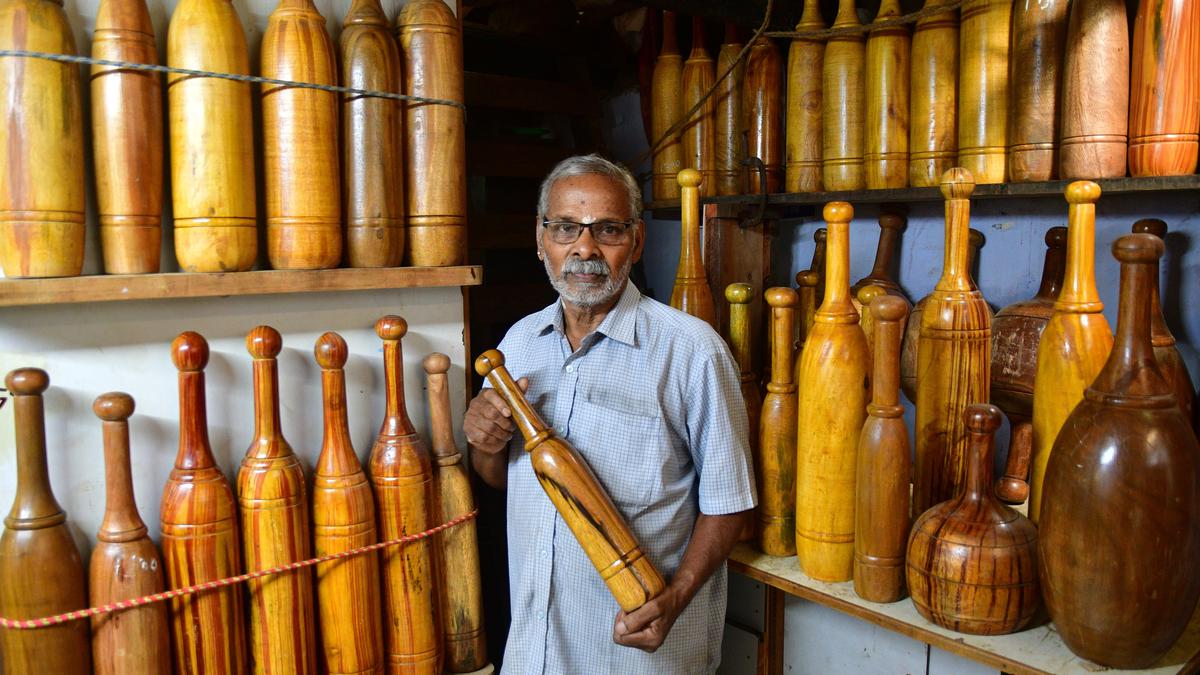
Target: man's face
[[587, 273]]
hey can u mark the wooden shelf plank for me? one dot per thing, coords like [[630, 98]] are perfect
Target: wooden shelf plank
[[112, 287], [1035, 651]]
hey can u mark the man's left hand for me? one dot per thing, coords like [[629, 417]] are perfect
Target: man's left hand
[[647, 626]]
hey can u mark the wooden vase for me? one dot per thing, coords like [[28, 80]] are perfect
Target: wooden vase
[[1075, 342], [435, 135], [127, 139], [1037, 41], [764, 112], [881, 508], [41, 177], [730, 119], [1120, 525], [41, 572], [666, 109], [776, 458], [933, 98], [1095, 91], [1164, 99], [983, 88], [1169, 361], [972, 561], [373, 139], [691, 293], [697, 135], [125, 563], [833, 385], [212, 140], [842, 92], [885, 157], [891, 224], [806, 56]]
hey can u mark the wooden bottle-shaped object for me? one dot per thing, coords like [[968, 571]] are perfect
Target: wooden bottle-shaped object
[[41, 572], [891, 224], [691, 293], [373, 139], [885, 157], [739, 297], [343, 513], [697, 134], [776, 458], [806, 308], [953, 360], [127, 139], [806, 56], [1169, 361], [200, 534], [435, 135], [842, 91], [460, 594], [402, 475], [764, 112], [865, 296], [578, 496], [1016, 333], [835, 364], [983, 89], [1075, 342], [1120, 524], [125, 563], [818, 262], [1095, 91], [1164, 101], [41, 177], [730, 118], [1037, 42], [881, 503], [972, 561], [212, 140], [666, 109], [274, 519], [933, 100]]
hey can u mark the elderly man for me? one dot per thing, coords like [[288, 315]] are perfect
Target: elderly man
[[649, 396]]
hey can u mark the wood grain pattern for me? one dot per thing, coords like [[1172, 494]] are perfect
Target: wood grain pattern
[[806, 58], [127, 139], [41, 177], [953, 359], [881, 502], [578, 496], [198, 521], [373, 139], [885, 156], [1169, 361], [1076, 341], [842, 92], [666, 109], [691, 293], [730, 119], [273, 503], [972, 561], [775, 465], [697, 135], [739, 296], [1095, 91], [933, 98], [1037, 41], [806, 307], [1120, 523], [402, 475], [833, 386], [864, 297], [125, 563], [983, 89], [41, 572], [891, 224], [212, 140], [343, 518], [762, 92], [435, 138], [1164, 99]]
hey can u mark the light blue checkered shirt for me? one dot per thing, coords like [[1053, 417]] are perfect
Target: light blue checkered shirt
[[652, 402]]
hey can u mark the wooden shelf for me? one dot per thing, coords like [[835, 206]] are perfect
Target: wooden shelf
[[1035, 651], [111, 287]]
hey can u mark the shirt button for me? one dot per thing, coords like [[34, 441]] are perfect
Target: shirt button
[[571, 368], [541, 615], [544, 553]]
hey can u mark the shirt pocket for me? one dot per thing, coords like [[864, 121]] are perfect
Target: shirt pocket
[[624, 449]]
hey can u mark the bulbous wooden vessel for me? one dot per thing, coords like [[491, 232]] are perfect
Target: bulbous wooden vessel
[[972, 561], [1164, 100], [41, 177], [1037, 42], [933, 98], [764, 112], [776, 458], [730, 118], [842, 91], [666, 109], [983, 89], [1095, 91], [1120, 525], [697, 134], [885, 157], [806, 58], [691, 293], [1169, 361]]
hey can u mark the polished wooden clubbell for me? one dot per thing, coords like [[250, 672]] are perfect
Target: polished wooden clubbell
[[729, 119], [666, 109], [806, 56], [776, 457]]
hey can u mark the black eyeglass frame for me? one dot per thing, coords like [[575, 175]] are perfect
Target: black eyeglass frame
[[591, 227]]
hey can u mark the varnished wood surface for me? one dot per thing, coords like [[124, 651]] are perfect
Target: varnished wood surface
[[891, 224], [1164, 99], [885, 155], [1037, 42], [842, 90], [933, 96], [1095, 91], [739, 297], [983, 89], [697, 135], [866, 320], [775, 461], [666, 108], [691, 293], [729, 118], [763, 107], [802, 166]]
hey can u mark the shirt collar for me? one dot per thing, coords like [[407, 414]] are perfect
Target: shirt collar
[[620, 323]]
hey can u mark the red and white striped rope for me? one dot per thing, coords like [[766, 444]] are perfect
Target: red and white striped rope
[[220, 583]]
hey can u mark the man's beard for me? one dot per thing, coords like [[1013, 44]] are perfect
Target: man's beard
[[588, 295]]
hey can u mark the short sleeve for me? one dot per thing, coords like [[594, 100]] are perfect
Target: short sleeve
[[718, 436]]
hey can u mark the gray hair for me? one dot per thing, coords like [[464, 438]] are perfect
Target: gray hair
[[582, 165]]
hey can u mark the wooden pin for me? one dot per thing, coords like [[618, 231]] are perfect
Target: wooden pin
[[885, 155], [1037, 42], [730, 117], [691, 293], [739, 297], [1169, 360], [842, 91], [806, 59], [891, 224], [776, 457], [1095, 91], [933, 128], [697, 134], [666, 109], [764, 112], [1164, 100], [983, 89]]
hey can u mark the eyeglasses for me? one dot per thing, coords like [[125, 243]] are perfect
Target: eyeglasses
[[607, 232]]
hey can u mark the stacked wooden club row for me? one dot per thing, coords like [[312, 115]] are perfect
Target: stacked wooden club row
[[1010, 90], [395, 191], [1101, 441], [428, 619]]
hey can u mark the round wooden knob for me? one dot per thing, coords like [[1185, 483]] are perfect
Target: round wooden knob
[[975, 238], [820, 235], [264, 342], [436, 363], [982, 418], [189, 351], [888, 307], [1154, 226], [957, 183], [890, 220], [488, 361], [808, 278], [868, 293], [838, 212], [114, 406], [689, 178], [391, 327], [739, 294], [27, 381], [1056, 237], [331, 351], [1083, 192], [781, 296], [1138, 248]]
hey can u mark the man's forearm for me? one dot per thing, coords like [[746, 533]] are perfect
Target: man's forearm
[[492, 469], [713, 538]]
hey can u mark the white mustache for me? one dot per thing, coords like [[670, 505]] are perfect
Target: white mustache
[[578, 266]]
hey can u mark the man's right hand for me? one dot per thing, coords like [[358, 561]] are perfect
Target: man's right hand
[[489, 427]]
